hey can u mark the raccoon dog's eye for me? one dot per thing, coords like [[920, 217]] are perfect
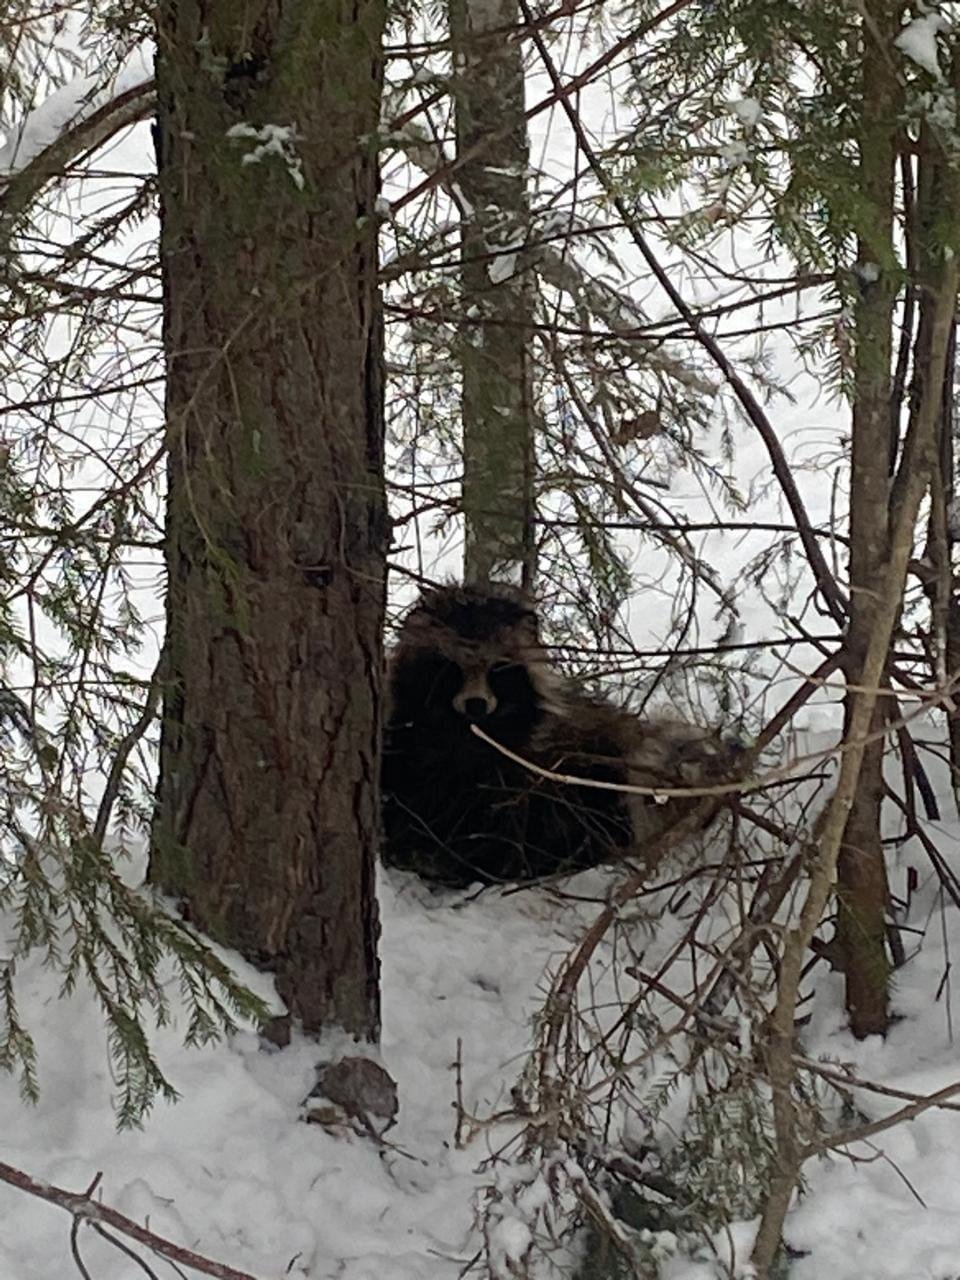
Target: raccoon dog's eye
[[511, 685], [443, 681]]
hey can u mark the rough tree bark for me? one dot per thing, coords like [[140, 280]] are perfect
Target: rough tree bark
[[268, 808], [861, 872], [496, 292]]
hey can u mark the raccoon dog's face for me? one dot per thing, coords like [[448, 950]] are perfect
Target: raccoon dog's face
[[471, 655]]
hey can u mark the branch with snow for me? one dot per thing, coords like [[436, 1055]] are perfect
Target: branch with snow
[[918, 41], [80, 117]]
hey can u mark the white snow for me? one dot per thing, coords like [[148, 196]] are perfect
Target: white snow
[[279, 140], [918, 41], [510, 1239], [502, 267], [555, 222], [730, 1257], [735, 153], [68, 106], [232, 1172], [748, 111]]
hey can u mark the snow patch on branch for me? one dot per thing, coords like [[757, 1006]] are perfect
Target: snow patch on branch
[[502, 267], [68, 107], [748, 111], [918, 41]]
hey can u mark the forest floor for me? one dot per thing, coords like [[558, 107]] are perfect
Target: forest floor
[[232, 1172]]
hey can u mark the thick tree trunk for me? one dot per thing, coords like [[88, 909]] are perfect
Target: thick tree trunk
[[268, 809], [861, 871], [496, 293]]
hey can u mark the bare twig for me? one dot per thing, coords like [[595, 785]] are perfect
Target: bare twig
[[741, 785], [441, 177], [122, 754], [847, 1081], [861, 1132], [84, 1209], [561, 1000]]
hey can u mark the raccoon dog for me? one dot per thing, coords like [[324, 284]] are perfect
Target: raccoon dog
[[456, 810]]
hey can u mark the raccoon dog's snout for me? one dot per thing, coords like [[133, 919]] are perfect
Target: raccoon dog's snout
[[475, 700]]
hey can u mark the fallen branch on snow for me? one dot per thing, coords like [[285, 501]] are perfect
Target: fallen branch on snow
[[85, 1209]]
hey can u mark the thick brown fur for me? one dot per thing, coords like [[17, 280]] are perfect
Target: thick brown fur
[[456, 810]]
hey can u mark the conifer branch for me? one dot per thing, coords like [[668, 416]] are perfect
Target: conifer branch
[[829, 589], [21, 187]]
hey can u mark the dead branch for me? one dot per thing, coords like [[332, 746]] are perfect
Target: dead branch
[[84, 1209], [861, 1132], [560, 1002], [127, 744], [742, 785], [845, 1080]]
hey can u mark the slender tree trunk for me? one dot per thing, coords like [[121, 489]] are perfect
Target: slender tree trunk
[[862, 880], [496, 292], [938, 278], [939, 555], [268, 808]]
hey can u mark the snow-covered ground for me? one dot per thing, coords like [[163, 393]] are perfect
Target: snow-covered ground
[[233, 1173]]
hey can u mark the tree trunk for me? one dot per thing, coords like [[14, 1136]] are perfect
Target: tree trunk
[[268, 808], [861, 871], [496, 292], [940, 555]]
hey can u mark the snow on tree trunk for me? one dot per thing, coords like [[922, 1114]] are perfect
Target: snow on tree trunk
[[268, 809]]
